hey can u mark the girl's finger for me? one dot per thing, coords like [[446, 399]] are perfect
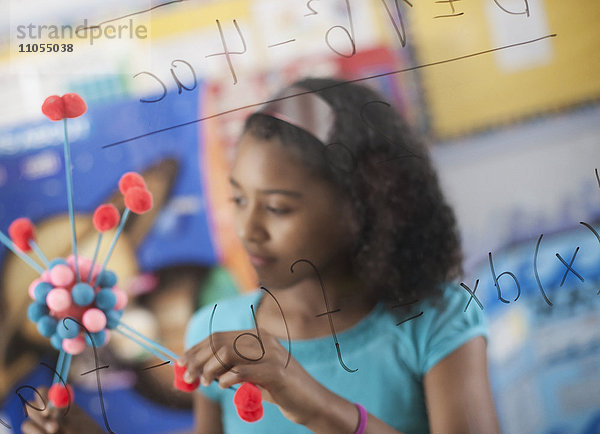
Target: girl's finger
[[217, 365], [230, 378], [51, 426], [185, 358], [47, 416], [196, 357], [202, 349], [38, 416], [30, 427]]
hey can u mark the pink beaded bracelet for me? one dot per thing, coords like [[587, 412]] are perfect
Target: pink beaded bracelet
[[362, 419]]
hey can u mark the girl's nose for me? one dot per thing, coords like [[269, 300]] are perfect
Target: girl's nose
[[251, 227]]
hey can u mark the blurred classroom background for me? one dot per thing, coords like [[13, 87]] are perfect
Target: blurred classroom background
[[505, 92]]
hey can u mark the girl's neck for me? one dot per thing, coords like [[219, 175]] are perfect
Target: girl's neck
[[304, 307]]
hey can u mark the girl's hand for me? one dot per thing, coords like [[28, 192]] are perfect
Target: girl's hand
[[52, 420], [239, 356]]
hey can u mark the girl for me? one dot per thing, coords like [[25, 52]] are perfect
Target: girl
[[355, 327]]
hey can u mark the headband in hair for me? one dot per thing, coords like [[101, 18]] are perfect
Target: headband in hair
[[303, 109]]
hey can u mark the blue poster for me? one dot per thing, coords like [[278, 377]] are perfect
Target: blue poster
[[544, 346]]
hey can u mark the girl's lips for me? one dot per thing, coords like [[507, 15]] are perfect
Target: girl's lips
[[259, 261]]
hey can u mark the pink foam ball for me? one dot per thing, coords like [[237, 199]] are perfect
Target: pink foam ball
[[84, 267], [61, 275], [121, 298], [94, 320], [32, 286], [58, 299], [71, 261], [96, 271], [45, 276], [74, 346]]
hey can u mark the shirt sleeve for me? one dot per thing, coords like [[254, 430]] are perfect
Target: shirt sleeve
[[197, 331], [445, 326]]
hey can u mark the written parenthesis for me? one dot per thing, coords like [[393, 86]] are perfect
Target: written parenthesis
[[164, 88]]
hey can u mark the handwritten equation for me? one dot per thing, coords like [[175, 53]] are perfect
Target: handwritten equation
[[346, 31], [567, 263], [258, 104]]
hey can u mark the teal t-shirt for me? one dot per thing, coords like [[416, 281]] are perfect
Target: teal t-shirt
[[391, 359]]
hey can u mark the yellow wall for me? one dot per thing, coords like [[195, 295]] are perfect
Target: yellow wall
[[180, 20], [478, 92]]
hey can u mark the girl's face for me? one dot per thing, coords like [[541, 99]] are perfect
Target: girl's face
[[284, 213]]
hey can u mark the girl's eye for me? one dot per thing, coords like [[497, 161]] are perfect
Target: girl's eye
[[238, 200], [277, 211]]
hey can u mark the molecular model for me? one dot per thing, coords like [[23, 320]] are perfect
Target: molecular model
[[76, 301]]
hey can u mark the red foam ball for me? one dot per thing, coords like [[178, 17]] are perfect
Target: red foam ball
[[251, 416], [180, 383], [248, 397], [248, 402], [70, 105], [131, 179], [21, 231], [138, 200], [54, 108], [106, 217], [74, 105], [60, 396]]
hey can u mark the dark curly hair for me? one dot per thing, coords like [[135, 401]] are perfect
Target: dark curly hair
[[406, 243]]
